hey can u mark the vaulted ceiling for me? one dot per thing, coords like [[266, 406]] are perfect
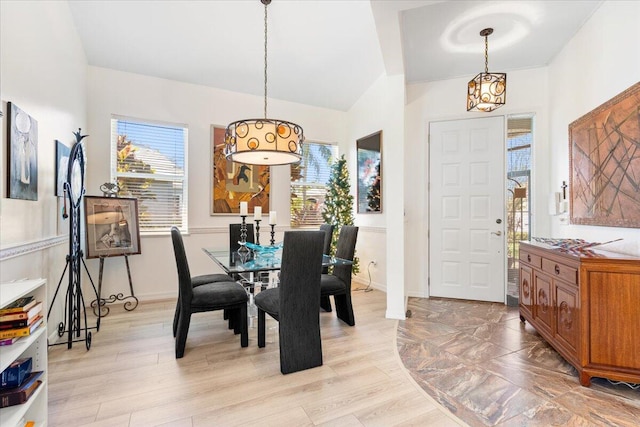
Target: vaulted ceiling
[[324, 53]]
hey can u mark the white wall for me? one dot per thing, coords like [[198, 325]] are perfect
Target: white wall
[[601, 61], [446, 100], [125, 94], [603, 52], [382, 108], [43, 71]]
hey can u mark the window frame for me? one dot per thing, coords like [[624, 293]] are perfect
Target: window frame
[[181, 179], [314, 185]]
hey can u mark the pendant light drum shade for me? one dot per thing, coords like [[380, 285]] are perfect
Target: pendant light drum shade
[[264, 142]]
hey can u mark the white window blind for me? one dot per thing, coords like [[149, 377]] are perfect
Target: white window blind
[[309, 180], [148, 160]]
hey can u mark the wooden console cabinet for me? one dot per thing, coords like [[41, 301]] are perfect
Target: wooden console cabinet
[[586, 305]]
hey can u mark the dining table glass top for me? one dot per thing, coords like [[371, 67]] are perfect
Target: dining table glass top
[[256, 260]]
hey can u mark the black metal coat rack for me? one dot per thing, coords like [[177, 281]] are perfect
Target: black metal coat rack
[[75, 324]]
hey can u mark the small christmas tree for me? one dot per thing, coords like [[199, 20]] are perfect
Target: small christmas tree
[[338, 203]]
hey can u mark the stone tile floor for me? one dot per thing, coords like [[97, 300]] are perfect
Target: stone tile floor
[[484, 365]]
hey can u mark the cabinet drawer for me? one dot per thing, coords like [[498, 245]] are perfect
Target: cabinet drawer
[[559, 270], [531, 259]]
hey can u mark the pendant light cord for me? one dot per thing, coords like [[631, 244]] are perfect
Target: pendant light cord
[[485, 33], [486, 56], [265, 57]]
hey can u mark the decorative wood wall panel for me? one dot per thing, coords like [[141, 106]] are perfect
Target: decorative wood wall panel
[[604, 150]]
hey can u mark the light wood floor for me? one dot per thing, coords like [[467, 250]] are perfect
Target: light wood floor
[[130, 376]]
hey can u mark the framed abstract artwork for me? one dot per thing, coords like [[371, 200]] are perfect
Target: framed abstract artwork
[[22, 149], [62, 165], [232, 183], [604, 153], [111, 226], [369, 154]]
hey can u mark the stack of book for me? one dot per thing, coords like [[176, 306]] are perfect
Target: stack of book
[[19, 319], [18, 383]]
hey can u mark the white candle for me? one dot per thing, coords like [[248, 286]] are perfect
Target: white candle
[[257, 213], [244, 208], [272, 218]]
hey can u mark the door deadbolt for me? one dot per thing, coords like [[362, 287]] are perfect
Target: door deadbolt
[[498, 221]]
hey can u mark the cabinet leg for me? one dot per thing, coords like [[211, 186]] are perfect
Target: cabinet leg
[[522, 319], [585, 379]]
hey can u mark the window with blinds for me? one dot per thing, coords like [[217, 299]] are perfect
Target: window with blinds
[[309, 180], [148, 160]]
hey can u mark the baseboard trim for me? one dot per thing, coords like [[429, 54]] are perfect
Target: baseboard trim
[[395, 315], [419, 294], [363, 283]]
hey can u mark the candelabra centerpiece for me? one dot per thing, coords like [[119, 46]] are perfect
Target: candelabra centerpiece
[[272, 223], [243, 251], [257, 217]]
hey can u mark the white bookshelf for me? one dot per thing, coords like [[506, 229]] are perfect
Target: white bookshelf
[[34, 346]]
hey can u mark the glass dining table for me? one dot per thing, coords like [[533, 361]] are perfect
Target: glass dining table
[[257, 269], [234, 263]]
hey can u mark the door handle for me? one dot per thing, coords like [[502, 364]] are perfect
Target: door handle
[[497, 233]]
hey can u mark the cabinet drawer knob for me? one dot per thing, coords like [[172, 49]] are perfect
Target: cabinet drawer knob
[[528, 257], [557, 269]]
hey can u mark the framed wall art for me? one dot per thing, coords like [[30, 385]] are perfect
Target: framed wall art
[[605, 163], [62, 164], [111, 226], [369, 154], [22, 149], [232, 183]]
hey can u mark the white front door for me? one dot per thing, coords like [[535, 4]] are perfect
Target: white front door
[[466, 214]]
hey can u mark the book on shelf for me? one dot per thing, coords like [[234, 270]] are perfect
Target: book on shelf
[[21, 332], [21, 323], [20, 394], [8, 341], [13, 324], [30, 314], [16, 373], [18, 306]]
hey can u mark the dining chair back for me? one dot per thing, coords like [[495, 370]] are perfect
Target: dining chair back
[[338, 283], [328, 236], [295, 303], [196, 296]]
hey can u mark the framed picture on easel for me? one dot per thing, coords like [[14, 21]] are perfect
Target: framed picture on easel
[[111, 226]]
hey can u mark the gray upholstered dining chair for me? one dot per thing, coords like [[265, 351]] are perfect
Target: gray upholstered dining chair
[[197, 281], [196, 294], [295, 303], [328, 236], [338, 283]]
